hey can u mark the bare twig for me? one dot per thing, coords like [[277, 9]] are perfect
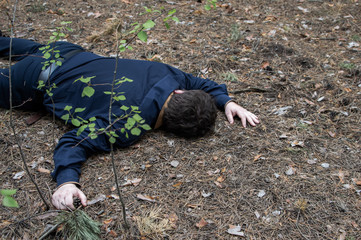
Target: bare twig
[[12, 126]]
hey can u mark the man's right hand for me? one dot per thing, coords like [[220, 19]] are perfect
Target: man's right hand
[[63, 197]]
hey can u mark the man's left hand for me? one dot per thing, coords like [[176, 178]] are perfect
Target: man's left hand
[[232, 109]]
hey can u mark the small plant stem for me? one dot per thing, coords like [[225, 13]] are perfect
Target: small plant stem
[[12, 126], [126, 226]]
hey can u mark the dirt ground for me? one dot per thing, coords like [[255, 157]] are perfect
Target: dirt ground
[[297, 175]]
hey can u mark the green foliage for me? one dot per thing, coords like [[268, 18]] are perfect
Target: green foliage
[[235, 32], [229, 77], [210, 4], [77, 225], [347, 65], [8, 200], [140, 29]]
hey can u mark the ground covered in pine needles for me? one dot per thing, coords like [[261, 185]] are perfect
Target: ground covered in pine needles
[[297, 175]]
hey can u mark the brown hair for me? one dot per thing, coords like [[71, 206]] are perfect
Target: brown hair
[[190, 114]]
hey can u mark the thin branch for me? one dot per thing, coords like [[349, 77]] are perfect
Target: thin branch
[[126, 225], [12, 126]]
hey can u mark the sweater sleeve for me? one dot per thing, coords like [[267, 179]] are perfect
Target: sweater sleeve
[[73, 150], [218, 91]]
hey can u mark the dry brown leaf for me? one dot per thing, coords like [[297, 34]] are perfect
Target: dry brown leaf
[[146, 198], [177, 185], [264, 65], [218, 184], [132, 182], [257, 157], [221, 179], [347, 89], [113, 233], [193, 41], [357, 181], [43, 170], [309, 102], [201, 223], [192, 205], [107, 221]]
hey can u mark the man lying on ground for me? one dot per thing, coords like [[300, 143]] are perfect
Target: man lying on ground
[[167, 98]]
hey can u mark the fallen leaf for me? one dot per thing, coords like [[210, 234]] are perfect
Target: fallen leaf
[[257, 157], [332, 134], [221, 179], [205, 195], [47, 215], [309, 102], [43, 170], [235, 230], [177, 185], [190, 205], [193, 41], [341, 176], [107, 221], [218, 184], [173, 219], [264, 65], [201, 223], [19, 175], [113, 196], [113, 233], [98, 198], [297, 143], [133, 182], [290, 171], [146, 198], [356, 181]]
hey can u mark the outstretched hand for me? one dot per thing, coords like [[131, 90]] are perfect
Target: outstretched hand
[[232, 109], [63, 197]]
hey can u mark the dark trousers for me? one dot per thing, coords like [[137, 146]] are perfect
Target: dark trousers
[[25, 73]]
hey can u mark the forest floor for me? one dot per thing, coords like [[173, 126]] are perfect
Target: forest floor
[[297, 175]]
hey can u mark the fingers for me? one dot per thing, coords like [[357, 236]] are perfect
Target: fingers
[[230, 117], [82, 198], [63, 197]]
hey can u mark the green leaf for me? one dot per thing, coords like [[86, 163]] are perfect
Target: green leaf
[[207, 7], [135, 131], [68, 108], [124, 108], [10, 202], [93, 136], [167, 25], [92, 119], [175, 19], [130, 123], [143, 36], [149, 24], [88, 91], [171, 12], [7, 192], [79, 110], [47, 55], [112, 140], [81, 129], [65, 117], [146, 127], [137, 117], [59, 63], [75, 122]]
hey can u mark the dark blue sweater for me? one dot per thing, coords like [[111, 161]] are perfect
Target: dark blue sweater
[[152, 84]]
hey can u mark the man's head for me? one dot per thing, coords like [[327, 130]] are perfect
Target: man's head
[[190, 113]]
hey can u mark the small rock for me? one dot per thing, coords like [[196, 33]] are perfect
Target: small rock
[[290, 171], [174, 163], [261, 193], [325, 165]]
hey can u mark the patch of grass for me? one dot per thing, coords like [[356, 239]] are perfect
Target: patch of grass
[[36, 8], [152, 225], [235, 33], [347, 65], [356, 38], [229, 77]]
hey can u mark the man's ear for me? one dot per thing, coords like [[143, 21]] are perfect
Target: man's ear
[[178, 91]]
